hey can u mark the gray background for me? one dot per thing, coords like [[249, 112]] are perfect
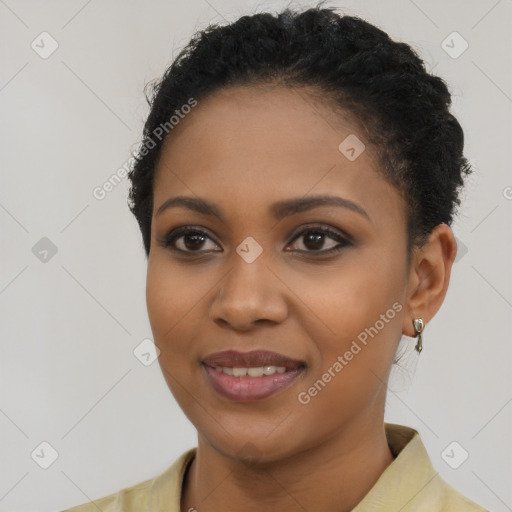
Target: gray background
[[70, 323]]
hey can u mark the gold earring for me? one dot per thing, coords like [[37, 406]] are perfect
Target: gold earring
[[418, 327]]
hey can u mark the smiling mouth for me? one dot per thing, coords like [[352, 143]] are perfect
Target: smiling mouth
[[249, 376], [254, 371]]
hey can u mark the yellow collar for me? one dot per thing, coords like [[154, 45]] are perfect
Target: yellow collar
[[409, 483]]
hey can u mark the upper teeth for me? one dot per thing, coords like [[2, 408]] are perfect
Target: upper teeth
[[257, 371]]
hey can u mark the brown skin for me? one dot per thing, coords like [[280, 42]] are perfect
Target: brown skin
[[244, 149]]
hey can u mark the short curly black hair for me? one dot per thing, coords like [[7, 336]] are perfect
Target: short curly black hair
[[402, 109]]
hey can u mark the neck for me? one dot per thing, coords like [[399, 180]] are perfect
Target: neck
[[333, 476]]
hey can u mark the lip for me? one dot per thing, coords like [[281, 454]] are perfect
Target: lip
[[235, 359], [247, 389]]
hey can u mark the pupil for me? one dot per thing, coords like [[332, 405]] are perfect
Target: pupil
[[317, 240], [198, 240]]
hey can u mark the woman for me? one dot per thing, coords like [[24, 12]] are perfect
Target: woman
[[294, 189]]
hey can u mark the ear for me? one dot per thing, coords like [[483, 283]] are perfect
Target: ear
[[429, 277]]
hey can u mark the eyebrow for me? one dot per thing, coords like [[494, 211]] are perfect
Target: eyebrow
[[278, 210]]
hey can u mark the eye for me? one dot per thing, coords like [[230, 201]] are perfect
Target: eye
[[192, 240], [314, 239]]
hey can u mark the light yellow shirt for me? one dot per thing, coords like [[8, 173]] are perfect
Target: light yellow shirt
[[408, 484]]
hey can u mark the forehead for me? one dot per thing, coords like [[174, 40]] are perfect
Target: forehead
[[255, 145]]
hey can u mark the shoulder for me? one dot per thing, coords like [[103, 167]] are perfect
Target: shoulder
[[411, 483], [130, 498], [451, 499], [164, 489]]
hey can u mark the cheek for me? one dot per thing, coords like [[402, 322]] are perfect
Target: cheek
[[360, 293], [353, 366], [169, 300], [171, 304], [176, 299], [362, 310], [159, 298]]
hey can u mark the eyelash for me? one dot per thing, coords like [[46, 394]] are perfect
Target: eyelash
[[174, 235]]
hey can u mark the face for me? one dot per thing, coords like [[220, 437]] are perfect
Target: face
[[321, 286]]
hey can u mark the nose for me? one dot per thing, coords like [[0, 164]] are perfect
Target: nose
[[249, 294]]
